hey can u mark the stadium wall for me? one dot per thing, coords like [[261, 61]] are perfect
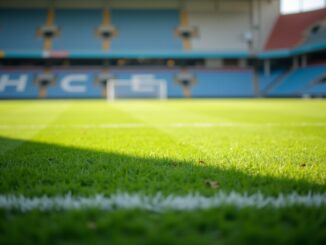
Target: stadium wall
[[215, 31], [269, 12]]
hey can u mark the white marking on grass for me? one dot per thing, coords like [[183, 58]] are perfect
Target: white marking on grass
[[172, 125], [159, 202]]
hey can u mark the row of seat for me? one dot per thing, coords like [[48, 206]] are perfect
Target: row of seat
[[303, 81], [82, 83], [137, 29], [145, 30], [18, 29], [214, 83]]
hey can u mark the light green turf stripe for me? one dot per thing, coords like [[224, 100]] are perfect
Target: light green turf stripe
[[29, 112]]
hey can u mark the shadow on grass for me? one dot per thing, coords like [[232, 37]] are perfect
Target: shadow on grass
[[37, 168], [34, 168]]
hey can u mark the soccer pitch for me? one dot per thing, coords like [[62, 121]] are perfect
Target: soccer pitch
[[163, 172]]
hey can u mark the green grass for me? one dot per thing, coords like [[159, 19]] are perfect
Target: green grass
[[270, 146]]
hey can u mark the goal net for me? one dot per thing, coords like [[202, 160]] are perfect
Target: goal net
[[138, 86]]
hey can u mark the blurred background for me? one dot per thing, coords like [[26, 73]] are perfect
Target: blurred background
[[197, 48]]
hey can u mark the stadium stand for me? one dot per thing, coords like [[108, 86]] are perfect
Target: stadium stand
[[77, 30], [217, 42], [316, 90], [18, 29], [318, 37], [289, 30], [298, 81], [146, 30], [266, 80], [225, 83], [15, 84], [81, 83]]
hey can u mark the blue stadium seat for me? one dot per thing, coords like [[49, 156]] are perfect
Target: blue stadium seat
[[92, 90], [30, 90], [18, 29], [298, 81], [77, 30], [316, 38], [265, 81], [146, 30], [317, 90], [223, 84], [209, 83]]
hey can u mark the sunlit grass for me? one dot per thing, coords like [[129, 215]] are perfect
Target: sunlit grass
[[271, 146]]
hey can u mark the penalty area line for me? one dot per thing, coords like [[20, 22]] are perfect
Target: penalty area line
[[159, 202]]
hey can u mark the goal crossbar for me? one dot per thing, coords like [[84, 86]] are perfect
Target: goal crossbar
[[138, 84]]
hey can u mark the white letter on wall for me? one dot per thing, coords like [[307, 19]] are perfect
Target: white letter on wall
[[67, 83], [19, 83]]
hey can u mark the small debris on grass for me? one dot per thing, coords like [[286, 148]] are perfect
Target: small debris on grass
[[303, 165], [201, 162], [212, 184]]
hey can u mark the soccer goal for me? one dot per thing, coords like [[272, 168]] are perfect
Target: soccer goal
[[138, 86]]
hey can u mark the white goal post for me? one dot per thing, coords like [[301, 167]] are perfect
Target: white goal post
[[138, 86]]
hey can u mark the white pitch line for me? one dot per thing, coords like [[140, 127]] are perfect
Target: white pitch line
[[160, 203], [172, 125]]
